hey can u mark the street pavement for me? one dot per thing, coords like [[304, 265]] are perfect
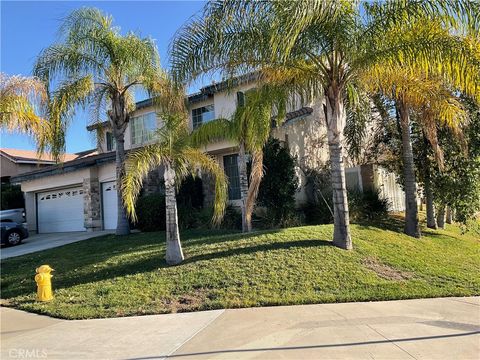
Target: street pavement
[[440, 328]]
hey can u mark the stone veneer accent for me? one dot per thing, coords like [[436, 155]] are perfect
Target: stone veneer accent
[[92, 204], [154, 182], [208, 184]]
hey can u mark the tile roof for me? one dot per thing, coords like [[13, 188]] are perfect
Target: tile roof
[[69, 166], [18, 155], [298, 113]]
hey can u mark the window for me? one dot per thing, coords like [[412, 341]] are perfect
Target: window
[[240, 99], [202, 115], [230, 166], [111, 142], [143, 127]]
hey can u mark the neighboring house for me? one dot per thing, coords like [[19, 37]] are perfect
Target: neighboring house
[[14, 162], [80, 195]]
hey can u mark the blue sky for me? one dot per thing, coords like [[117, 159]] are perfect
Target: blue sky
[[28, 27]]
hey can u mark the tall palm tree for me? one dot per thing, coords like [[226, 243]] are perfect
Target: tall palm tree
[[250, 127], [92, 54], [321, 46], [172, 150]]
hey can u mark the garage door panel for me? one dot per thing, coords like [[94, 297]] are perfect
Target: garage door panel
[[60, 210], [109, 205]]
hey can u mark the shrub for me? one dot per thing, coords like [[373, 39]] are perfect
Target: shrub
[[151, 212], [317, 213], [362, 206], [190, 193], [151, 216], [367, 205], [190, 218], [12, 197], [279, 184], [232, 219]]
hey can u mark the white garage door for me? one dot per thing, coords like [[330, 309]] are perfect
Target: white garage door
[[109, 203], [60, 210]]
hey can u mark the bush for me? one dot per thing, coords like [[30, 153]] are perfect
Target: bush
[[232, 219], [317, 213], [151, 216], [151, 212], [190, 193], [279, 184], [190, 218], [367, 205], [362, 206], [12, 197]]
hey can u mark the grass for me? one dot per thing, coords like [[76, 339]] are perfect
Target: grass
[[109, 276]]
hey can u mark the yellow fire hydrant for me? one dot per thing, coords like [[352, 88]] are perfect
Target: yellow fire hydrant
[[44, 283]]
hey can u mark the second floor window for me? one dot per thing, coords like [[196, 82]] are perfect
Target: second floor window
[[143, 127], [111, 143], [202, 115]]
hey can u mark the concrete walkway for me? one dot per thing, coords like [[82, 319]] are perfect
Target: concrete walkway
[[39, 242], [444, 328]]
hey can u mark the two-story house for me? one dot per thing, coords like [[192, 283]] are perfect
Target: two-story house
[[80, 195]]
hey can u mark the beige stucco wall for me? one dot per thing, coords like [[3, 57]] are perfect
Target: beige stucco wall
[[55, 181], [106, 172], [9, 168], [307, 141]]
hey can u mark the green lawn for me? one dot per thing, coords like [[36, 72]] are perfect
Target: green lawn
[[108, 276]]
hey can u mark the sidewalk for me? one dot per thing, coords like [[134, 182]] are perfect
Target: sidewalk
[[444, 328]]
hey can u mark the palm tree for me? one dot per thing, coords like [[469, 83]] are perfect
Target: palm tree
[[172, 150], [431, 98], [321, 46], [21, 98], [27, 107], [250, 127], [93, 63]]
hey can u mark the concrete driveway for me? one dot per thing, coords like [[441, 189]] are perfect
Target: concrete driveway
[[38, 242], [443, 328]]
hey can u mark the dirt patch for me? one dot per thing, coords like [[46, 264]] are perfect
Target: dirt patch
[[386, 271], [187, 302]]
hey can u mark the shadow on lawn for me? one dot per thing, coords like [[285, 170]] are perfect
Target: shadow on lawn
[[307, 243], [151, 263], [392, 222]]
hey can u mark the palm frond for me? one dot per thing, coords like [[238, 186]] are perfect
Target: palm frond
[[138, 164], [208, 164], [213, 131]]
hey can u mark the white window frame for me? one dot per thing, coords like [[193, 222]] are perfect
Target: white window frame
[[202, 114], [139, 130]]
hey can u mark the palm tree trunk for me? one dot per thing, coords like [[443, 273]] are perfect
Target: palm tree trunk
[[256, 176], [441, 217], [411, 211], [336, 118], [174, 253], [123, 227], [449, 215], [431, 221], [242, 171]]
